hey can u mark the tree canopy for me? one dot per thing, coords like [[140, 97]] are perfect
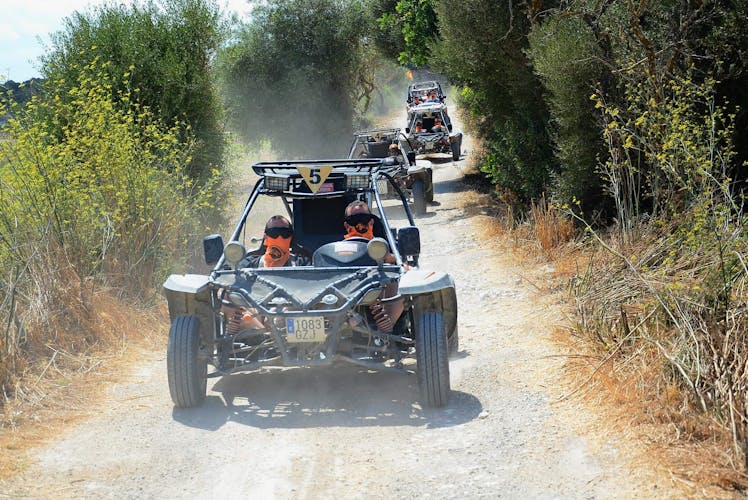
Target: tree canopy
[[165, 50]]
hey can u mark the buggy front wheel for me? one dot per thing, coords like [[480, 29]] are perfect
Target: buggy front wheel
[[186, 368], [453, 342], [432, 359], [430, 186]]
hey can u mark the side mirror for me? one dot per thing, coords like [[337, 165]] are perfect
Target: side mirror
[[412, 157], [449, 127], [212, 248], [409, 240], [407, 130]]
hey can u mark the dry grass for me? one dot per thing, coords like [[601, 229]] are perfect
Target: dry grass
[[635, 399], [73, 341], [624, 378], [60, 380]]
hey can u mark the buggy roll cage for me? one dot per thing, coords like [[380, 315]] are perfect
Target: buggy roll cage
[[337, 178], [426, 86], [361, 136]]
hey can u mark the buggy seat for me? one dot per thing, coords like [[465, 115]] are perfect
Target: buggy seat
[[318, 221]]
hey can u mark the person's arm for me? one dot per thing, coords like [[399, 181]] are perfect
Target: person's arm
[[250, 261]]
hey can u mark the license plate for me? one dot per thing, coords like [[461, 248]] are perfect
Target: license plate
[[306, 329]]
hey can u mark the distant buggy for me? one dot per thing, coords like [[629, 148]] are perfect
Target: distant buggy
[[414, 177], [320, 314], [423, 89], [431, 139]]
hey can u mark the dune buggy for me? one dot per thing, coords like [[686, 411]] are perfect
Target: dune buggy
[[325, 313], [414, 177], [422, 90], [426, 137]]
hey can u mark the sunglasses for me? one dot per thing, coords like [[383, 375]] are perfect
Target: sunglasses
[[283, 232], [359, 219]]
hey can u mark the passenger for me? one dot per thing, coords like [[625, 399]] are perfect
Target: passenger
[[419, 127], [432, 97], [277, 243], [416, 101], [359, 225], [278, 253]]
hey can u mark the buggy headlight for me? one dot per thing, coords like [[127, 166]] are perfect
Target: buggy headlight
[[377, 249], [357, 181], [234, 252], [276, 182]]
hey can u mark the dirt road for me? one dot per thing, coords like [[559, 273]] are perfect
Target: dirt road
[[345, 432]]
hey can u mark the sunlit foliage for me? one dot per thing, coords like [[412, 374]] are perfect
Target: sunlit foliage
[[92, 190], [166, 47]]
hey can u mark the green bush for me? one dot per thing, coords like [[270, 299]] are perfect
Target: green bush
[[92, 190], [483, 48], [565, 55], [167, 49]]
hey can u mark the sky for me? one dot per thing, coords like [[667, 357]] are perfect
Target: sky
[[26, 26]]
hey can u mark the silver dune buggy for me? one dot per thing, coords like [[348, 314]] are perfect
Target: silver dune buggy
[[432, 138], [414, 177], [318, 314]]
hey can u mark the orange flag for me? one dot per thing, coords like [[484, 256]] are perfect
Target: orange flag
[[409, 74]]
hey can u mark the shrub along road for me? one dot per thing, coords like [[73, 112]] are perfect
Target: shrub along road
[[347, 432]]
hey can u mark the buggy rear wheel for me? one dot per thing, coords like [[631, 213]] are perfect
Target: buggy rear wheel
[[419, 197], [455, 150], [187, 372], [432, 359]]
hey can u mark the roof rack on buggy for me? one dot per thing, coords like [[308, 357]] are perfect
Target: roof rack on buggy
[[290, 167], [373, 131], [309, 178]]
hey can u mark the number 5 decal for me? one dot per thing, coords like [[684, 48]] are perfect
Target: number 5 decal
[[314, 176]]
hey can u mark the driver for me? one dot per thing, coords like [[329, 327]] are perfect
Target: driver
[[394, 151], [438, 126], [277, 244], [359, 225]]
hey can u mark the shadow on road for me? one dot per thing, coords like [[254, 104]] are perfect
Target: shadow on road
[[450, 186], [323, 397]]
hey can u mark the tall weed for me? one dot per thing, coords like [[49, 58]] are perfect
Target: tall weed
[[675, 279], [93, 196]]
